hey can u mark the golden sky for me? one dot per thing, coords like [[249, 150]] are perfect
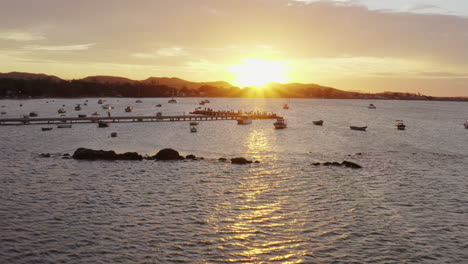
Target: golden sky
[[360, 45]]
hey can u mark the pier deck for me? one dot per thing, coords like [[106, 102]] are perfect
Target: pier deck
[[126, 119]]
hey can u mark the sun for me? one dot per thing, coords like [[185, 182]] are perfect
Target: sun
[[258, 72]]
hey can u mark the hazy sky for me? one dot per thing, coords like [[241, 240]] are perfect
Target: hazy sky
[[362, 45]]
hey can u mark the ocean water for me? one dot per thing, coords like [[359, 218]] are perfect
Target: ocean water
[[408, 204]]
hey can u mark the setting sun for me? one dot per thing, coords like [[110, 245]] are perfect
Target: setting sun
[[259, 72]]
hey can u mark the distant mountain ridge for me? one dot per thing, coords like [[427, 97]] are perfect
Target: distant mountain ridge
[[22, 84], [29, 76]]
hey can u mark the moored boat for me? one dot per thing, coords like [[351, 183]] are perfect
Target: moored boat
[[318, 122], [363, 128], [129, 109], [466, 124], [280, 123], [103, 124], [46, 128], [138, 101], [285, 106], [64, 126], [193, 129], [61, 111], [194, 123], [158, 105], [372, 106], [33, 114], [244, 121], [400, 125], [78, 107], [81, 116]]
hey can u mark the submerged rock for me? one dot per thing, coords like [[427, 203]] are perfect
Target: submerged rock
[[168, 154], [352, 165], [240, 160], [90, 154], [191, 156]]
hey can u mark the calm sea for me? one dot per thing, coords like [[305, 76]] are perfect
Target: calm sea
[[409, 203]]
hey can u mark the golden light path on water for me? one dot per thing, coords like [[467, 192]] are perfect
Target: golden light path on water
[[257, 227]]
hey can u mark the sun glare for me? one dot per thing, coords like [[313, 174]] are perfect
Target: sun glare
[[258, 72]]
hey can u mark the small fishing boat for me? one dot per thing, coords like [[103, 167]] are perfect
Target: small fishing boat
[[285, 106], [194, 123], [138, 101], [81, 116], [95, 114], [158, 105], [358, 128], [4, 113], [46, 128], [64, 126], [100, 101], [193, 129], [244, 121], [114, 134], [371, 106], [318, 122], [103, 124], [466, 124], [33, 114], [61, 111], [129, 109], [78, 107], [107, 107], [202, 103], [400, 125], [280, 123]]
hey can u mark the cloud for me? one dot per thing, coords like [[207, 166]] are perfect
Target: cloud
[[20, 36], [75, 47]]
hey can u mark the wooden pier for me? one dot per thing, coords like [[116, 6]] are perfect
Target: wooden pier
[[129, 119]]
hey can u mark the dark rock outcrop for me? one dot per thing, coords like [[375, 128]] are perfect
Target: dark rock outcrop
[[90, 154], [316, 163], [350, 164], [191, 156], [168, 154], [240, 160]]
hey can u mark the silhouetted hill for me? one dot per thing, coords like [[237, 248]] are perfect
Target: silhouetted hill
[[29, 76], [180, 83], [107, 79], [25, 85]]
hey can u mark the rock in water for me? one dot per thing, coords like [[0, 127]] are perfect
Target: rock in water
[[90, 154], [168, 154], [350, 164], [240, 160], [191, 156]]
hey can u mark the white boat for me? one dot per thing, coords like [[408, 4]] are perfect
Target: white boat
[[400, 125], [244, 121], [280, 123], [372, 106], [172, 101]]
